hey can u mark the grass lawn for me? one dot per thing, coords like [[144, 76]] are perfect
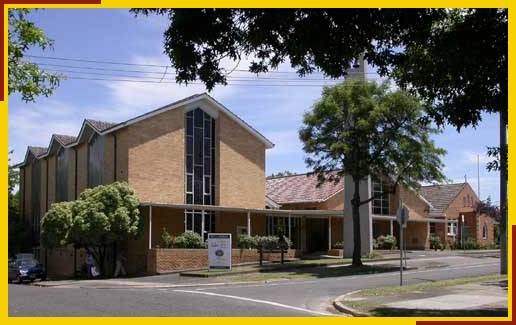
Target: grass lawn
[[389, 291], [292, 266], [312, 273], [370, 301]]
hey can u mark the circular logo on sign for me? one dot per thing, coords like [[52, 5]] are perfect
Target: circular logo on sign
[[219, 252]]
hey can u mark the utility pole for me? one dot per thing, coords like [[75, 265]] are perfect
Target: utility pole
[[503, 188]]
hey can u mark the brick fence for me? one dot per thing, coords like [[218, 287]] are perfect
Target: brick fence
[[164, 260]]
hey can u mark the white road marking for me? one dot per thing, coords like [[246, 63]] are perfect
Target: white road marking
[[266, 302]]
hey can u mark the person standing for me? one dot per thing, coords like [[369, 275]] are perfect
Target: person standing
[[120, 269], [90, 263]]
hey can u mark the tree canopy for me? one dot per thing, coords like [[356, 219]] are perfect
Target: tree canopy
[[282, 174], [100, 217], [27, 78], [360, 128], [455, 59]]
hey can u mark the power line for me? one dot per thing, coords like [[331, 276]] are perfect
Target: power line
[[150, 65], [200, 83], [297, 81], [162, 73]]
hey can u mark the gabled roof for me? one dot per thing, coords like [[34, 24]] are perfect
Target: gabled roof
[[301, 188], [64, 139], [441, 196], [100, 126], [194, 101], [37, 151], [203, 100]]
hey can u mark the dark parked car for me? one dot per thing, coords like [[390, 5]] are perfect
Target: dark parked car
[[26, 270]]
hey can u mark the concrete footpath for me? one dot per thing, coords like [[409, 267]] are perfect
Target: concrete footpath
[[484, 296]]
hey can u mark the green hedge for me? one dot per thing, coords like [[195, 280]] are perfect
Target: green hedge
[[264, 242]]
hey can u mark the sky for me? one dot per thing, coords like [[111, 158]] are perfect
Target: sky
[[116, 35]]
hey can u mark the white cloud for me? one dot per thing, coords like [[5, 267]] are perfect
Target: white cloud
[[133, 98], [471, 157], [285, 142], [33, 124]]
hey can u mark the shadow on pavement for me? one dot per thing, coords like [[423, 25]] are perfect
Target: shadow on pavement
[[403, 312], [325, 272]]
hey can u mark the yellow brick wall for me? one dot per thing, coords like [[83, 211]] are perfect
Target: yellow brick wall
[[335, 202], [240, 171], [417, 235], [171, 219], [156, 157], [418, 208]]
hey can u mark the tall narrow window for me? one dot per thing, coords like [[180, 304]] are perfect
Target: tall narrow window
[[199, 170], [62, 175], [452, 228], [432, 228], [35, 199], [95, 160], [484, 231], [380, 192]]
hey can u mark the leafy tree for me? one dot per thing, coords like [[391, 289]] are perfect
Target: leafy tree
[[489, 208], [495, 164], [17, 227], [359, 128], [421, 49], [282, 174], [99, 218], [56, 224], [25, 77], [454, 59], [13, 180]]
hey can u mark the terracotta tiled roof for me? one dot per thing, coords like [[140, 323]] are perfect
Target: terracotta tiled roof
[[37, 151], [300, 188], [441, 196], [101, 125], [65, 139]]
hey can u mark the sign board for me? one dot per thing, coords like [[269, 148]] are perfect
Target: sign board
[[219, 251], [402, 216]]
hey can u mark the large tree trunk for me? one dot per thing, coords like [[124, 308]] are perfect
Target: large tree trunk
[[357, 240], [503, 189]]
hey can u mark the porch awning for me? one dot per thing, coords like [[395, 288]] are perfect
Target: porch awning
[[393, 218], [275, 212]]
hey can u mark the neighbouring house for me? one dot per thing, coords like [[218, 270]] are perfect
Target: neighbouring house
[[197, 166], [459, 205]]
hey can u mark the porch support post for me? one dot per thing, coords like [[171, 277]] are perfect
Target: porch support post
[[289, 227], [202, 224], [150, 226], [248, 223], [329, 233], [391, 229]]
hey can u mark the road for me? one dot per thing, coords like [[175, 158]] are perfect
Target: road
[[283, 298]]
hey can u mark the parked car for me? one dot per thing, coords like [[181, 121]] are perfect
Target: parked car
[[26, 270]]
